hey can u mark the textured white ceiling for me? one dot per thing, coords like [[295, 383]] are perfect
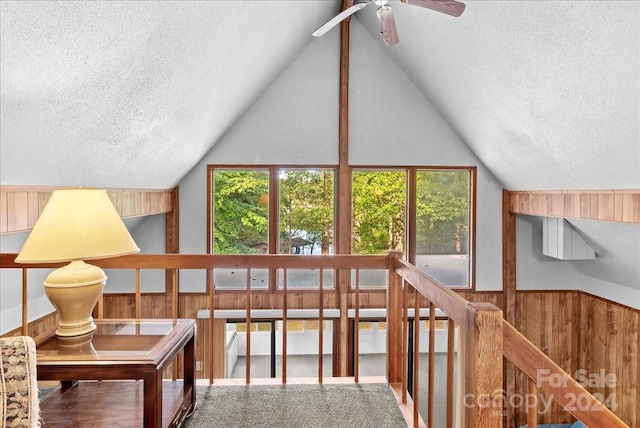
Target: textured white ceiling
[[546, 93], [133, 94]]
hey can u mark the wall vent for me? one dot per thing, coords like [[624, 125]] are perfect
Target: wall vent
[[561, 241]]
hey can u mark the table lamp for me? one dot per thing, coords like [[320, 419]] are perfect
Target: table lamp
[[76, 225]]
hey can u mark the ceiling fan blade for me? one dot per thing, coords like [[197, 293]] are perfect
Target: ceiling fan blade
[[339, 18], [450, 7], [387, 26]]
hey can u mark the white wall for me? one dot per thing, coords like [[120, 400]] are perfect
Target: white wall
[[391, 123], [612, 275], [535, 271], [11, 288], [150, 237]]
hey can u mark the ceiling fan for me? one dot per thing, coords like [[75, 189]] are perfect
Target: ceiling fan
[[385, 17]]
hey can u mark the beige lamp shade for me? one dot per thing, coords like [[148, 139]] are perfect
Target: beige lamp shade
[[77, 224]]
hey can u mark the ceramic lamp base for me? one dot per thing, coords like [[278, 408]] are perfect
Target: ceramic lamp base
[[74, 291]]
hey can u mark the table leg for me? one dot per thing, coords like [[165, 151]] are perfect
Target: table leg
[[153, 399], [189, 369], [66, 384]]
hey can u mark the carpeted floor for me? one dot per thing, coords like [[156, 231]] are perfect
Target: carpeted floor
[[297, 406]]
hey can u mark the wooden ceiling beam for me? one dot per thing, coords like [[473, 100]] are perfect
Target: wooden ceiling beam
[[343, 208]]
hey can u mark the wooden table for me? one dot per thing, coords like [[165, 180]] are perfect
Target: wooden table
[[124, 351]]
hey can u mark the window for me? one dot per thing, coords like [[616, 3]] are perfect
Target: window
[[424, 212], [242, 220], [379, 211], [441, 239], [240, 211], [443, 226], [306, 211], [379, 218]]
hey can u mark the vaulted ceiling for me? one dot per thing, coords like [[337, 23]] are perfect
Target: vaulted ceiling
[[133, 94]]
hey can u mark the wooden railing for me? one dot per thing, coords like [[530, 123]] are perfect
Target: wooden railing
[[544, 374], [480, 327], [485, 337]]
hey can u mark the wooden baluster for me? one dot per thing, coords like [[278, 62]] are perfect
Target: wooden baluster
[[432, 362], [248, 330], [211, 291], [138, 302], [175, 313], [451, 334], [320, 325], [405, 328], [284, 327], [137, 305], [356, 330], [416, 359], [532, 409], [174, 297], [24, 329]]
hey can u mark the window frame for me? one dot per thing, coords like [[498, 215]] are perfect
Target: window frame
[[411, 219]]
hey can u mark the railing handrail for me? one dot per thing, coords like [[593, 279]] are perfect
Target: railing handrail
[[445, 299], [480, 342], [222, 261], [570, 394], [519, 350]]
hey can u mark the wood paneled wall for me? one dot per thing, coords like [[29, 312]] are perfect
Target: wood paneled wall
[[610, 344], [549, 321], [583, 332], [38, 329], [575, 329], [608, 205], [20, 206]]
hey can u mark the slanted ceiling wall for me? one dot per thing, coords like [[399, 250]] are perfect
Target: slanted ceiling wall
[[612, 275], [391, 124]]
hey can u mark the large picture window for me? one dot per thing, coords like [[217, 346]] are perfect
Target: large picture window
[[441, 239], [426, 213]]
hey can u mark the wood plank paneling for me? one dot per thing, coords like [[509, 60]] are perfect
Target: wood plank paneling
[[619, 205], [20, 206], [39, 329], [547, 319], [589, 334], [609, 346], [629, 372], [123, 305]]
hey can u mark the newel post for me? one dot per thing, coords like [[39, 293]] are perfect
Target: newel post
[[482, 343], [394, 321]]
